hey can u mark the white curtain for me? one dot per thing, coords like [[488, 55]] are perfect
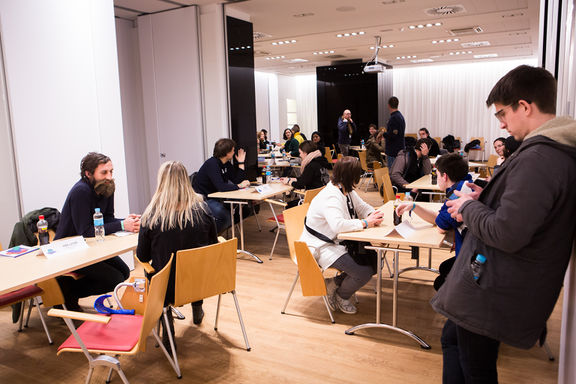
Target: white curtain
[[450, 99], [306, 103]]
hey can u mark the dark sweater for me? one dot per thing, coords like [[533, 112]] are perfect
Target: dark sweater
[[394, 134], [311, 178], [157, 246], [78, 212], [214, 176], [291, 146]]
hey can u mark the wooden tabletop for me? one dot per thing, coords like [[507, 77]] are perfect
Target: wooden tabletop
[[428, 237], [277, 164], [251, 193], [19, 272], [425, 182], [472, 164]]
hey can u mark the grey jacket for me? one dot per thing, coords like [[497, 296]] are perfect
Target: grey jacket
[[523, 223]]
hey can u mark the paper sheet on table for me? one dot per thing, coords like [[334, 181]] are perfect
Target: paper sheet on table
[[407, 228]]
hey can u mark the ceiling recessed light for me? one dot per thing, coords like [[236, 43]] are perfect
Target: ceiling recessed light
[[472, 44], [437, 24], [292, 41], [274, 43], [422, 61], [361, 33], [486, 56], [412, 27], [339, 35], [391, 46]]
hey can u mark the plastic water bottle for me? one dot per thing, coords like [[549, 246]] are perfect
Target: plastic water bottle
[[98, 225], [397, 218], [273, 157], [408, 197], [43, 236], [477, 266], [362, 144], [268, 174]]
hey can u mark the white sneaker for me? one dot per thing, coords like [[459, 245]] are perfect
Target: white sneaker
[[331, 288], [345, 306]]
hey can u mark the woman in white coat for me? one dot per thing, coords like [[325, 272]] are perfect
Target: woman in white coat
[[337, 209]]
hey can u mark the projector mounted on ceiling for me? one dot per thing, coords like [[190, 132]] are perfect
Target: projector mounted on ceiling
[[373, 66]]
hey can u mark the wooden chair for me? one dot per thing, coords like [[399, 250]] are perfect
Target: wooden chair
[[308, 272], [279, 219], [480, 151], [414, 135], [367, 171], [117, 334], [378, 174], [389, 191], [202, 273], [492, 160], [328, 155]]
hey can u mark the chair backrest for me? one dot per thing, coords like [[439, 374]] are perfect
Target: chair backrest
[[480, 139], [492, 160], [378, 174], [205, 272], [155, 302], [311, 194], [376, 165], [388, 189], [414, 135], [294, 223], [311, 279], [328, 154], [363, 163]]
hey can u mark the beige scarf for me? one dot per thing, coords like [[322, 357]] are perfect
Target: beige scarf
[[309, 157]]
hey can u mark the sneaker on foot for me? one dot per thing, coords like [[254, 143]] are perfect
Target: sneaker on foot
[[345, 305], [331, 288]]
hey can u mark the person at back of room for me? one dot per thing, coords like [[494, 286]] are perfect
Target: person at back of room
[[346, 128], [317, 140], [95, 189], [299, 136], [410, 165], [395, 129], [219, 174], [314, 170], [434, 148], [337, 209], [374, 145], [291, 144], [176, 218], [262, 141]]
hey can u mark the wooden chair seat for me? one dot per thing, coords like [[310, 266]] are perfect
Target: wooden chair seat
[[121, 333]]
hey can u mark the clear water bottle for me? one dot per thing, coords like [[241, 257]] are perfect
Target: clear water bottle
[[362, 144], [273, 157], [477, 266], [42, 225], [98, 225], [268, 173], [408, 197]]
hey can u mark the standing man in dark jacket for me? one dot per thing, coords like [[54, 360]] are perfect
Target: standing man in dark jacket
[[395, 129], [522, 222], [94, 190], [346, 129]]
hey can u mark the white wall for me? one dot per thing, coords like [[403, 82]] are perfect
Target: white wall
[[170, 65], [63, 87], [137, 172]]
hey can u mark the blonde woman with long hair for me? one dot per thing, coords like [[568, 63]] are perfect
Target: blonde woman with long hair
[[177, 218]]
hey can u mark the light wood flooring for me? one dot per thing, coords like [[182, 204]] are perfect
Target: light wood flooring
[[301, 346]]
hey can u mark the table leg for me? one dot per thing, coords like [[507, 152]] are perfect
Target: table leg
[[378, 324], [241, 250]]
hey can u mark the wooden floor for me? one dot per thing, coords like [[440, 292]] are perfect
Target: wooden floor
[[301, 346]]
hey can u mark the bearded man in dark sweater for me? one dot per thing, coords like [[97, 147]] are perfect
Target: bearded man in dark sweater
[[94, 190]]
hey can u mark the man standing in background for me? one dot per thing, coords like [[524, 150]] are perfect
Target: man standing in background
[[346, 129], [394, 134]]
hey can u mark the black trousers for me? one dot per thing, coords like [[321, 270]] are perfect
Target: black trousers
[[468, 357], [97, 279]]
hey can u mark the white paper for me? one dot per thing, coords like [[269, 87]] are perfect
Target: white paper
[[64, 246], [263, 188], [407, 227], [122, 233]]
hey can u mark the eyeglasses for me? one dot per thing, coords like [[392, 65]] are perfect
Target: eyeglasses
[[501, 113]]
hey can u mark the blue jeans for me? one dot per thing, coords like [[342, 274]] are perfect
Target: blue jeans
[[390, 161], [221, 214], [354, 276]]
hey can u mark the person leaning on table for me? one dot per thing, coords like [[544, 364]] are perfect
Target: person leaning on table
[[338, 209]]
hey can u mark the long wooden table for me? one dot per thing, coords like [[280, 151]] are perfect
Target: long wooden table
[[34, 267], [425, 182], [240, 197], [428, 237]]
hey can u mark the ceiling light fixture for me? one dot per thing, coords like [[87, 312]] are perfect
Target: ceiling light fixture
[[348, 34], [427, 25], [486, 56], [282, 42], [473, 44]]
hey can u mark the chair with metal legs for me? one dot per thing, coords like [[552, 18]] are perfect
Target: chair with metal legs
[[111, 336]]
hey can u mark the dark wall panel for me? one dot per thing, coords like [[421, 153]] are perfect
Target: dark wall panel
[[242, 89], [341, 87]]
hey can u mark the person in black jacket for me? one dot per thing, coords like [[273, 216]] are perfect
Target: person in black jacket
[[433, 144], [317, 140], [94, 190], [218, 174], [314, 170], [176, 218]]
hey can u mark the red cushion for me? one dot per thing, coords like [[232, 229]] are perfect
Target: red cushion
[[20, 295], [280, 218], [120, 334]]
